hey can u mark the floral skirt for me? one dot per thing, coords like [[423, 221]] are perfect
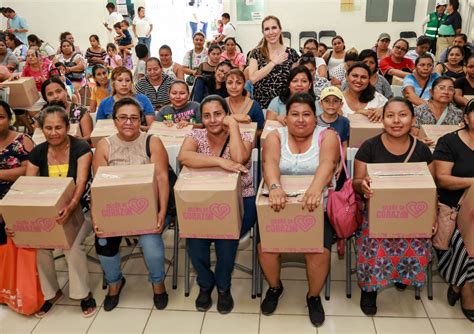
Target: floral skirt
[[382, 262]]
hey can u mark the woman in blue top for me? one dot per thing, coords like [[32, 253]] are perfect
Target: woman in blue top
[[299, 81], [122, 86], [242, 107], [417, 85]]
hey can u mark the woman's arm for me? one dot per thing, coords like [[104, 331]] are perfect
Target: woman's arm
[[179, 72], [439, 69], [397, 73], [11, 175], [410, 95], [86, 126], [322, 71], [255, 74], [459, 98], [361, 181], [93, 106], [31, 170], [101, 155], [239, 150], [445, 180], [159, 157]]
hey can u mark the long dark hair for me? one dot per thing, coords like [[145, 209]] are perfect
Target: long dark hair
[[368, 93], [293, 73]]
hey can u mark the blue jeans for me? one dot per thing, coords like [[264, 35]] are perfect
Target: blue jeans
[[194, 27], [153, 252], [200, 253], [146, 41], [204, 28]]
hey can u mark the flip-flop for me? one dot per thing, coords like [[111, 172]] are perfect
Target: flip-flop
[[87, 304], [47, 307]]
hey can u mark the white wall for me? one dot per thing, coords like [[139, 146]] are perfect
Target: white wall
[[47, 18]]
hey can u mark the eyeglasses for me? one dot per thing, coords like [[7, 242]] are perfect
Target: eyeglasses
[[306, 58], [400, 48], [446, 89], [123, 119]]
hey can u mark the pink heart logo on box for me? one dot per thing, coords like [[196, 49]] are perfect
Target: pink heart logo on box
[[220, 210], [416, 209], [305, 223], [138, 205], [45, 224]]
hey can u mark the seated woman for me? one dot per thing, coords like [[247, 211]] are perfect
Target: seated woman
[[155, 84], [319, 82], [300, 148], [18, 48], [422, 47], [169, 67], [147, 149], [208, 67], [181, 110], [465, 86], [237, 59], [335, 56], [338, 73], [122, 86], [64, 156], [382, 47], [74, 62], [95, 54], [7, 58], [242, 108], [43, 47], [102, 88], [54, 92], [396, 64], [13, 161], [219, 144], [454, 66], [194, 57], [369, 57], [299, 81], [211, 85], [399, 261], [311, 47], [360, 97], [454, 171], [439, 109], [417, 86]]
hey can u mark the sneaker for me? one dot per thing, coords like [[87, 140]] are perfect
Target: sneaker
[[225, 303], [204, 300], [270, 302], [368, 302], [315, 310]]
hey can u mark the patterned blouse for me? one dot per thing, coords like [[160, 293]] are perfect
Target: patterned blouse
[[76, 113], [275, 82], [424, 115], [11, 157], [200, 136]]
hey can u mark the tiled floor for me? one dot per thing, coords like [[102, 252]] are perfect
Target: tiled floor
[[398, 312]]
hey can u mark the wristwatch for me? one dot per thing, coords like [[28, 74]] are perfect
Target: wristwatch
[[275, 186]]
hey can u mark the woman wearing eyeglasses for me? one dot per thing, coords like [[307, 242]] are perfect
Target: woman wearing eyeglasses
[[396, 64], [311, 46], [122, 86], [130, 146], [440, 109]]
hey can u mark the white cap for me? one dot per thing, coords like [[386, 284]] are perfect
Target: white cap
[[441, 3]]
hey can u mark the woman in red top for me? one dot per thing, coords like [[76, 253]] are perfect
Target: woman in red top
[[37, 67], [396, 64]]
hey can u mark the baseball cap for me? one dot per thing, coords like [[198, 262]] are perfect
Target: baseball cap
[[441, 3], [332, 90], [384, 35]]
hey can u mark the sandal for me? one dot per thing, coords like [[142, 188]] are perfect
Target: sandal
[[49, 305], [88, 306]]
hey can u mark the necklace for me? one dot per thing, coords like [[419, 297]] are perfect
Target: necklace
[[56, 161]]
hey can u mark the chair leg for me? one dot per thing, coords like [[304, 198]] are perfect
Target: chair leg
[[186, 274], [175, 256], [430, 281], [254, 264], [417, 293], [327, 289], [348, 268]]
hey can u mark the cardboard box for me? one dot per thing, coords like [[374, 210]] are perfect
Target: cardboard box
[[125, 200], [269, 126], [74, 130], [434, 132], [404, 200], [103, 128], [250, 128], [362, 129], [169, 135], [209, 203], [465, 220], [291, 230], [23, 92], [30, 209]]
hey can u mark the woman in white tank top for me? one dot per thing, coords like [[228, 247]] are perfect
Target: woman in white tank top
[[301, 148], [169, 67]]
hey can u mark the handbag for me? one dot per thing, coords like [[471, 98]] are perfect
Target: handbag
[[446, 223], [344, 208]]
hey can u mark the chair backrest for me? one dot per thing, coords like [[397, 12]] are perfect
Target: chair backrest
[[93, 116], [350, 156], [287, 35], [410, 36], [254, 158], [327, 34], [306, 35], [397, 90]]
